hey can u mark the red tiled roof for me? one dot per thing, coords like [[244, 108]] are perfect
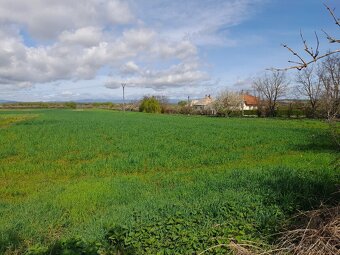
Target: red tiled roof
[[250, 100]]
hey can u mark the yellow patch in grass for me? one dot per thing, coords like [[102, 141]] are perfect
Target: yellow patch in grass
[[9, 119]]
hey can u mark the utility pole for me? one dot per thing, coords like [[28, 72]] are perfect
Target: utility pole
[[123, 86]]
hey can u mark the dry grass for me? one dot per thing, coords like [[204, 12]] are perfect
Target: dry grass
[[317, 233], [319, 236]]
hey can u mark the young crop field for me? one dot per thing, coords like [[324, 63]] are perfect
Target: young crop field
[[95, 181]]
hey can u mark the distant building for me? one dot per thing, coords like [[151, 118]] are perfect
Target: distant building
[[206, 104], [203, 104], [249, 102]]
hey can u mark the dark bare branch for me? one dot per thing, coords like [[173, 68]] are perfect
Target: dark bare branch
[[295, 54], [314, 55], [330, 38], [337, 22], [317, 44], [300, 67], [294, 62], [307, 49]]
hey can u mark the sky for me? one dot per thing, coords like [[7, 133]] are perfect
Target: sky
[[61, 50]]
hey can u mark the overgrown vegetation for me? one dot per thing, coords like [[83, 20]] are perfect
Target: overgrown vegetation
[[89, 182], [150, 105]]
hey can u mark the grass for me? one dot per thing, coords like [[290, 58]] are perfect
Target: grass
[[9, 119], [67, 174]]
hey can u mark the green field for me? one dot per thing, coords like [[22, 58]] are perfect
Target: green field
[[95, 180]]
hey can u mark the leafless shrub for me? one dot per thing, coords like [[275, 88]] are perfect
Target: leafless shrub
[[270, 87], [309, 86]]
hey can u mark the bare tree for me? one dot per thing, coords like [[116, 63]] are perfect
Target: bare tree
[[270, 87], [309, 85], [329, 74], [313, 55], [228, 102]]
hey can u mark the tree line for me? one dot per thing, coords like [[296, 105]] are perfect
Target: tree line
[[314, 88]]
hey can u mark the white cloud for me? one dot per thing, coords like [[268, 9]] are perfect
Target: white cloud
[[150, 44], [182, 49], [67, 93], [138, 39], [85, 36], [47, 19], [79, 55], [179, 75], [130, 68], [118, 12], [203, 22]]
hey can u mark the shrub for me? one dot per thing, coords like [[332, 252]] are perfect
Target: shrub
[[71, 105], [150, 105], [250, 112]]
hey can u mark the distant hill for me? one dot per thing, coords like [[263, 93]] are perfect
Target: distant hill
[[7, 102]]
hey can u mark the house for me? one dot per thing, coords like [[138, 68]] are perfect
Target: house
[[206, 104], [203, 104], [249, 102]]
